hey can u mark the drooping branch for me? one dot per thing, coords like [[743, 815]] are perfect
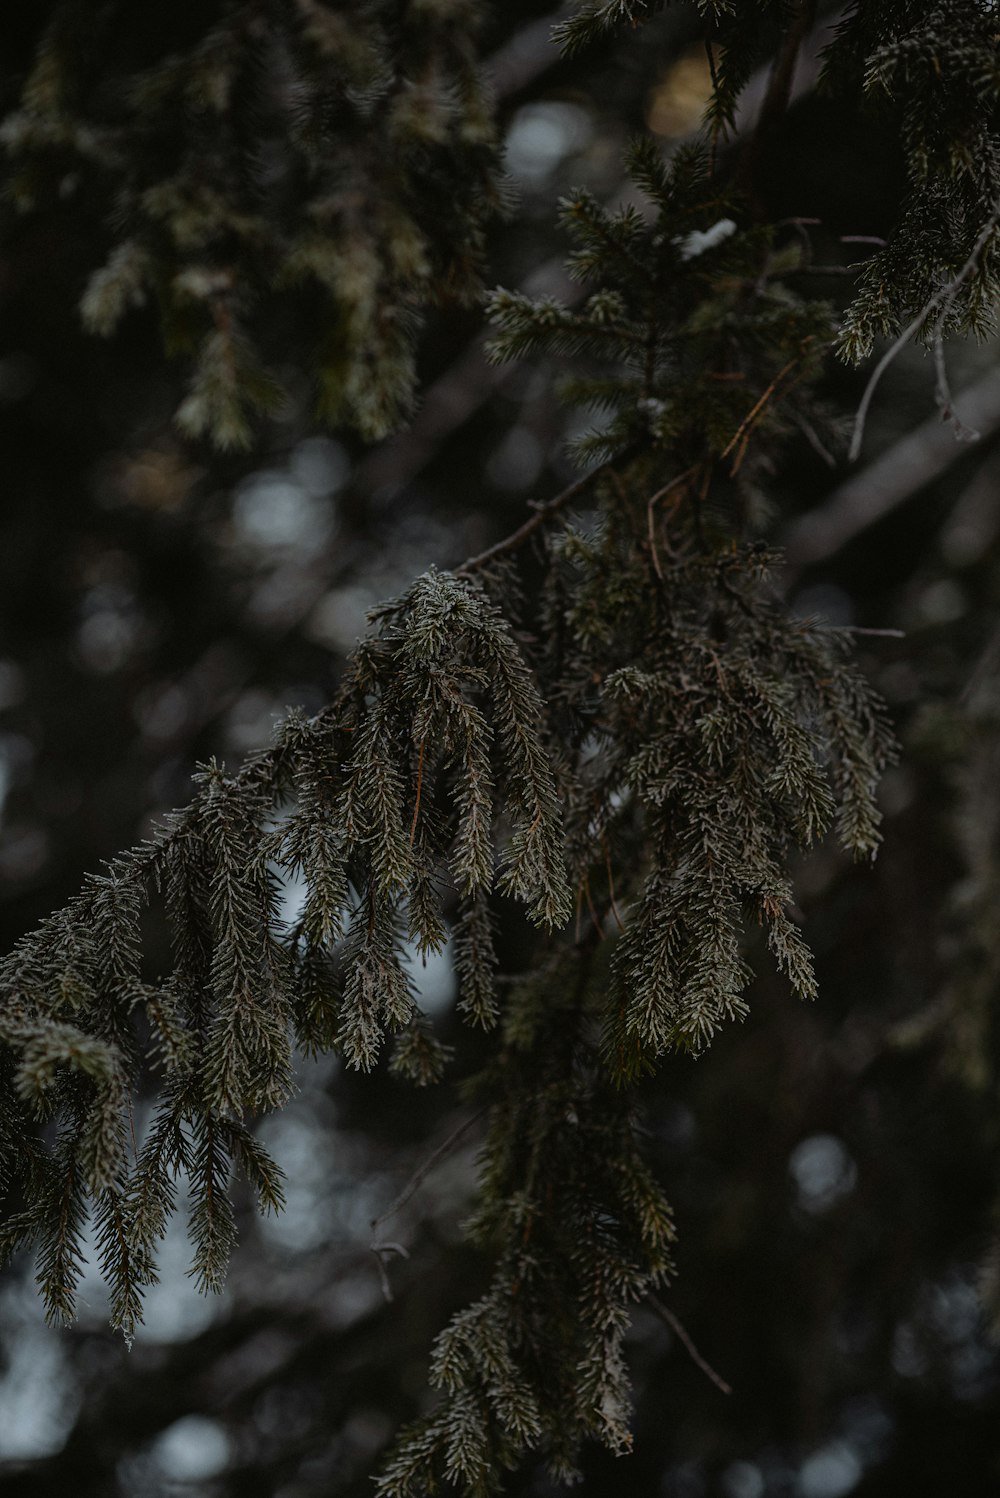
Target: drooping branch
[[932, 315]]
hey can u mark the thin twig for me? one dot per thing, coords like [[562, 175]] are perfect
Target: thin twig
[[390, 1247], [699, 520], [814, 440], [652, 541], [419, 1176], [131, 1126], [380, 1250], [420, 783], [651, 504], [940, 302], [383, 1276], [662, 493], [945, 399], [749, 420], [894, 478], [611, 886], [667, 1316], [593, 913], [825, 270], [543, 514]]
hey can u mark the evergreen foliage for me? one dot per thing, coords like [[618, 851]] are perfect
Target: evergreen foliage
[[635, 765], [240, 152], [936, 67], [434, 737]]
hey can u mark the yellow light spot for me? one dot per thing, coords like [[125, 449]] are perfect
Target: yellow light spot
[[678, 101]]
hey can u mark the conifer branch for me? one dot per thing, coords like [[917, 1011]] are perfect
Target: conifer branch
[[655, 747], [940, 303], [543, 514]]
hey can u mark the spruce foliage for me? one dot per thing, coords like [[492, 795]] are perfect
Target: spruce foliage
[[935, 67], [431, 761], [635, 765], [243, 153]]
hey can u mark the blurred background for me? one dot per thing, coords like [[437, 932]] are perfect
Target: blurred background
[[833, 1169]]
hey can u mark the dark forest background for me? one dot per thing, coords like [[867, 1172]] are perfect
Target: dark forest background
[[833, 1168]]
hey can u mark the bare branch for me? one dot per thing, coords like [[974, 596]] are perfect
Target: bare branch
[[898, 474], [940, 303], [679, 1330], [419, 1176], [543, 514]]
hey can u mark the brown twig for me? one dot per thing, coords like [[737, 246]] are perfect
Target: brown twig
[[651, 505], [419, 1176], [668, 488], [652, 541], [131, 1127], [749, 421], [611, 886], [667, 1316], [593, 913], [543, 514], [420, 784]]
